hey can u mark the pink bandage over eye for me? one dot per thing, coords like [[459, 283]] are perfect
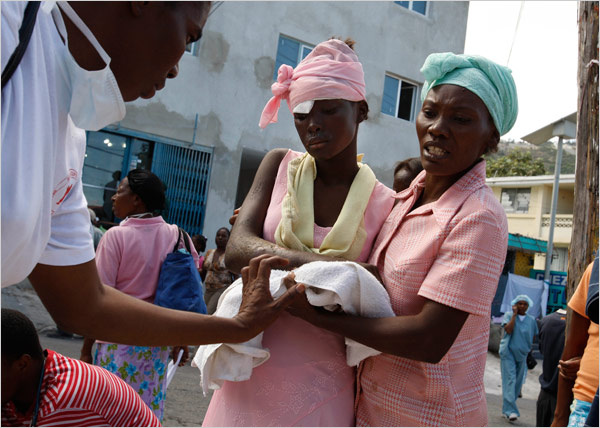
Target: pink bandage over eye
[[330, 71]]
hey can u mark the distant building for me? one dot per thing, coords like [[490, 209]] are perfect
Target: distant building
[[527, 202], [201, 135]]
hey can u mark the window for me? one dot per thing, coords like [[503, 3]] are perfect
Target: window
[[192, 48], [515, 200], [104, 156], [290, 52], [400, 98], [185, 172], [417, 6]]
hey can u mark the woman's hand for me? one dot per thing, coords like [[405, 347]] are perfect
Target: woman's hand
[[258, 309], [234, 216], [184, 357], [300, 307]]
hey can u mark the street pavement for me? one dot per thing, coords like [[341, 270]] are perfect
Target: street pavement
[[185, 404]]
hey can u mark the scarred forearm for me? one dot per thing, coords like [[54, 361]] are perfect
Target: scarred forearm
[[246, 240], [243, 246]]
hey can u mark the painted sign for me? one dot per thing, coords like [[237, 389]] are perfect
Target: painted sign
[[557, 298]]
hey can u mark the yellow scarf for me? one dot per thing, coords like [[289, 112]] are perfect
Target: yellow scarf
[[296, 228]]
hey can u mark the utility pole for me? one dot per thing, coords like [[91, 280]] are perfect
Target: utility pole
[[584, 240]]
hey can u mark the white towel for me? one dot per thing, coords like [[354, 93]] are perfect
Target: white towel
[[172, 368], [332, 285]]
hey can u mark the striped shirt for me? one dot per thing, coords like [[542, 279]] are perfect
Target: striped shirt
[[450, 251], [74, 393]]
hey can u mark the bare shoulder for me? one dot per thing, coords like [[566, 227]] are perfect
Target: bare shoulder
[[274, 157]]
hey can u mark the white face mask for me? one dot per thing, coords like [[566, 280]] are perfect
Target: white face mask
[[96, 100]]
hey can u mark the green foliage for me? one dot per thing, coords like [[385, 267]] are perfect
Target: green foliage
[[547, 153], [527, 162], [516, 163]]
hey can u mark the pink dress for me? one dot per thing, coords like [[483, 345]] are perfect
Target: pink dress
[[306, 382]]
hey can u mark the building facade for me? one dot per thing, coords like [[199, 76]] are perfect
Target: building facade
[[527, 202], [200, 134]]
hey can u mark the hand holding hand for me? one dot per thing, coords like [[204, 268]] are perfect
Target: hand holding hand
[[258, 309], [300, 307], [568, 369]]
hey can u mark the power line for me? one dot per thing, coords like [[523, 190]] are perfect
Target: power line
[[216, 5], [515, 32]]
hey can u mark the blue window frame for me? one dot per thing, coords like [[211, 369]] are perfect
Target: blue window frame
[[192, 48], [184, 170], [290, 52], [417, 6], [400, 98]]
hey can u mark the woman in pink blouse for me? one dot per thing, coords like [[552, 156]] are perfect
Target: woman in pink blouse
[[129, 258], [440, 254]]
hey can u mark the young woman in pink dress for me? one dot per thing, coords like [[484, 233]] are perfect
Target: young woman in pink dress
[[319, 205]]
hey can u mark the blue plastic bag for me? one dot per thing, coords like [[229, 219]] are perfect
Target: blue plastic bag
[[179, 283]]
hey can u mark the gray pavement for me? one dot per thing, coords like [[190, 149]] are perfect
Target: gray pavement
[[186, 406]]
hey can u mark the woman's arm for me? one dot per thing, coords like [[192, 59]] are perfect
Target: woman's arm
[[575, 343], [77, 300], [86, 350], [426, 336], [206, 264], [455, 285], [246, 240]]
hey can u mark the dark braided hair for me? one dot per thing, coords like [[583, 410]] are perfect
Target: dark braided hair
[[148, 187]]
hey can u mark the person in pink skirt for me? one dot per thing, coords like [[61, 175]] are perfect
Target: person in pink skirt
[[318, 205], [129, 258], [440, 254]]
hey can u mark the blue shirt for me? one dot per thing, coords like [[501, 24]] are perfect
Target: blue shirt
[[520, 340]]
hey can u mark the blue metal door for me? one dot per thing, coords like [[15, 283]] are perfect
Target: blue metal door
[[185, 173]]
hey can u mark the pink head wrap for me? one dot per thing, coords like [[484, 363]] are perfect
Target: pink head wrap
[[330, 71]]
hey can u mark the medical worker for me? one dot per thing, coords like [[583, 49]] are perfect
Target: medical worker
[[82, 62], [519, 331]]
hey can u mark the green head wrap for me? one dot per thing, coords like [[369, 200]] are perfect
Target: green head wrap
[[491, 82]]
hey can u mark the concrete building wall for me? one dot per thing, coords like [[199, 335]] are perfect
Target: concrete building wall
[[565, 200], [546, 199], [227, 83]]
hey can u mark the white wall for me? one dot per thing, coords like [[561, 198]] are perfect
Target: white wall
[[228, 82]]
